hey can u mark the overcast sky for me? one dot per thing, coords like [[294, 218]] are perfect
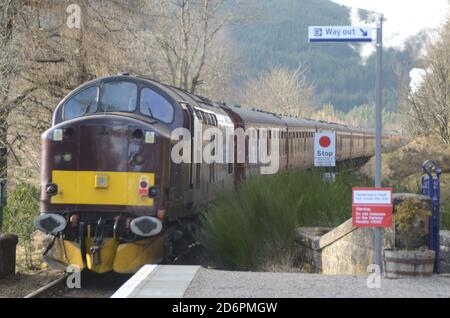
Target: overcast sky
[[404, 17]]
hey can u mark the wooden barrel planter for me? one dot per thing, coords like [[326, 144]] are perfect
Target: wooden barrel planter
[[408, 263]]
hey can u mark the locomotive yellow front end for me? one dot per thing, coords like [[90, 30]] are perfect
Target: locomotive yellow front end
[[102, 174]]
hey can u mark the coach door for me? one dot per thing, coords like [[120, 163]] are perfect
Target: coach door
[[239, 167]]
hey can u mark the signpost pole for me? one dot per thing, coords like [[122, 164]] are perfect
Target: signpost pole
[[361, 34], [378, 92]]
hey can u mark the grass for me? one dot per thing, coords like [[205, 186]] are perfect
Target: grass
[[255, 225], [21, 210], [445, 216]]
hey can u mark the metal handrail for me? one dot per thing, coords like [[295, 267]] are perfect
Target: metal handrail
[[431, 188]]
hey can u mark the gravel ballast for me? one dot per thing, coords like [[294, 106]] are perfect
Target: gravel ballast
[[227, 284]]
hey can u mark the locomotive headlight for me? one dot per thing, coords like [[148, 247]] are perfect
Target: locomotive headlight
[[51, 189], [139, 159], [67, 157], [146, 226], [50, 223], [153, 192]]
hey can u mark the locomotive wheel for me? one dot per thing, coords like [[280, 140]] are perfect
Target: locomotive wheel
[[178, 241]]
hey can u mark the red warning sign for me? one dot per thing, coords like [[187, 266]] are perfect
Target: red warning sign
[[372, 207]]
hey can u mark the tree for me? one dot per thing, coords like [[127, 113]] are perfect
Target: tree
[[180, 42], [360, 117], [9, 67], [184, 34], [45, 59], [429, 104], [280, 90]]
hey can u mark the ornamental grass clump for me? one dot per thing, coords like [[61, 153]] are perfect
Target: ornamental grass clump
[[256, 224]]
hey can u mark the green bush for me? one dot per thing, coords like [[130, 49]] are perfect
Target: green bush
[[445, 217], [257, 222], [21, 210]]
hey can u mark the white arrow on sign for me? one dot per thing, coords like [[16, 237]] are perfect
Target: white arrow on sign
[[340, 34]]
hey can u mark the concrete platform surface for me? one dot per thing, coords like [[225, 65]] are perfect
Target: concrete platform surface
[[196, 282], [158, 281], [211, 283]]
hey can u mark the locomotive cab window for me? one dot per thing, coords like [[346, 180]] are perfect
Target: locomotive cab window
[[82, 103], [156, 106], [119, 97]]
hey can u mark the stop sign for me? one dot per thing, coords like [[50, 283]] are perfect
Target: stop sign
[[325, 149]]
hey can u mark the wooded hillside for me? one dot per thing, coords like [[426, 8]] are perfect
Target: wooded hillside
[[279, 38]]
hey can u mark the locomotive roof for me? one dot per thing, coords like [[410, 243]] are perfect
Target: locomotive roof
[[248, 115]]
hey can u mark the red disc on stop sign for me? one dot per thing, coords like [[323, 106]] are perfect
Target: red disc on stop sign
[[325, 142]]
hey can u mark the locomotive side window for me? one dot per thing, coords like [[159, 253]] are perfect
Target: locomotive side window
[[119, 97], [156, 106], [82, 103], [199, 115], [208, 119]]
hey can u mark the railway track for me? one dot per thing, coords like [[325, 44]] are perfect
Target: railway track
[[92, 286], [38, 293], [105, 285]]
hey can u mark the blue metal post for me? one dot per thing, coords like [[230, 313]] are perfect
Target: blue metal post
[[431, 188]]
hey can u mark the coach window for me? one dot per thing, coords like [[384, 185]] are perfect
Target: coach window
[[81, 104], [291, 135], [154, 105], [119, 97]]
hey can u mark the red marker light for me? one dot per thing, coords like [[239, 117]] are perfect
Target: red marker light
[[74, 219]]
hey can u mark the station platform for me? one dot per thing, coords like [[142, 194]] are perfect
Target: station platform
[[158, 281], [174, 281]]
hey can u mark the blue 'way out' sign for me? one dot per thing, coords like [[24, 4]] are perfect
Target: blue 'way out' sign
[[339, 34]]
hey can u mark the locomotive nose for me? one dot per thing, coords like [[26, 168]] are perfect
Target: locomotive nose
[[101, 161]]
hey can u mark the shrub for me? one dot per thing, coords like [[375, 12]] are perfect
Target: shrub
[[445, 216], [256, 223], [411, 223], [21, 210]]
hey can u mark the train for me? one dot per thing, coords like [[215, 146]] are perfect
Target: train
[[112, 197]]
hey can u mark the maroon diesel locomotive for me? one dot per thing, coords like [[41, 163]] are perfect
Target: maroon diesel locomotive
[[113, 198]]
